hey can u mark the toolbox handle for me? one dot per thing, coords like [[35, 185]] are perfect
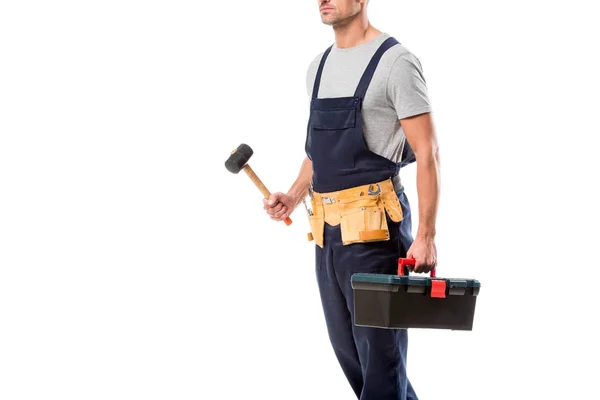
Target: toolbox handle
[[402, 262]]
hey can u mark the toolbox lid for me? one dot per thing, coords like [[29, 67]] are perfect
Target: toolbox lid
[[388, 279]]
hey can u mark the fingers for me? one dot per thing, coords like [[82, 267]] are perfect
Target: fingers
[[274, 198], [425, 255], [425, 266], [275, 208], [420, 267], [280, 213], [271, 208], [411, 267], [423, 263], [277, 212]]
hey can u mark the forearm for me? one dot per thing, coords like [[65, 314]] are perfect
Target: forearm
[[299, 189], [428, 190]]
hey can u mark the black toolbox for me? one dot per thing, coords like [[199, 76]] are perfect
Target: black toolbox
[[401, 301]]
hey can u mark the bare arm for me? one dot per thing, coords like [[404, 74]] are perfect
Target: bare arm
[[281, 205], [300, 187], [420, 134]]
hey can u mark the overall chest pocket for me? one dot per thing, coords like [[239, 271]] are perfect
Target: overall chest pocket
[[332, 137]]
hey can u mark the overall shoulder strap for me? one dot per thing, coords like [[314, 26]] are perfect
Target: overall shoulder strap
[[365, 80], [315, 92]]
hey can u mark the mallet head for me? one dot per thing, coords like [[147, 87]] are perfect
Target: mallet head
[[238, 158]]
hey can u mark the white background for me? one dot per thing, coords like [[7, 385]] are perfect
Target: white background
[[134, 266]]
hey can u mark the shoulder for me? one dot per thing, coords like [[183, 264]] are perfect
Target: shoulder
[[400, 56], [403, 63], [406, 89]]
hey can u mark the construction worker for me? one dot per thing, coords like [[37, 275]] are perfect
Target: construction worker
[[369, 116]]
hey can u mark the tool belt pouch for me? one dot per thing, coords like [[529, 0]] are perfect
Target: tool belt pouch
[[363, 220], [317, 223], [392, 206]]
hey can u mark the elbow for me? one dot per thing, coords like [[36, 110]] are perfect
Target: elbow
[[428, 153]]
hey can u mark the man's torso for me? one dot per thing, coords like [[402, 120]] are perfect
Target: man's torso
[[341, 74]]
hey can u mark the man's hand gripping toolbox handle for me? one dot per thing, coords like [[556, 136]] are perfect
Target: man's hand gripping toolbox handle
[[402, 262], [438, 286]]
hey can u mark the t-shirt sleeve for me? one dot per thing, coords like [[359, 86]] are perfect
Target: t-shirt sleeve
[[406, 87]]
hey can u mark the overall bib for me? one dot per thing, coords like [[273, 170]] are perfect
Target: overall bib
[[373, 359]]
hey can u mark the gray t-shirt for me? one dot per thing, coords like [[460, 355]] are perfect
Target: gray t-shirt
[[396, 91]]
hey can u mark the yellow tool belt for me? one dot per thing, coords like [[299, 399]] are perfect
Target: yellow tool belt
[[360, 211]]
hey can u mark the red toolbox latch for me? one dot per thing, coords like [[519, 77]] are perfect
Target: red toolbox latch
[[438, 288]]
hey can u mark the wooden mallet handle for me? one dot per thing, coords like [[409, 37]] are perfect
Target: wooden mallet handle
[[261, 186]]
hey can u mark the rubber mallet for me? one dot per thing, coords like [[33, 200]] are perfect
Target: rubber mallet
[[238, 160]]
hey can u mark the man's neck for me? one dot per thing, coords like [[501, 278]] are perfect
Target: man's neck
[[355, 32]]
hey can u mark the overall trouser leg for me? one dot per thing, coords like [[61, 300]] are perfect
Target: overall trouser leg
[[337, 316], [373, 359]]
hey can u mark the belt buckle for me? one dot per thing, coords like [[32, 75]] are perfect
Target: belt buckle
[[371, 192]]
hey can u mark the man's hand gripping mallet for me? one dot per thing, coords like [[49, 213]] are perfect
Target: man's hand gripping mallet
[[238, 160]]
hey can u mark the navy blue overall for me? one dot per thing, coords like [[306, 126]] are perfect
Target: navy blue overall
[[373, 359]]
